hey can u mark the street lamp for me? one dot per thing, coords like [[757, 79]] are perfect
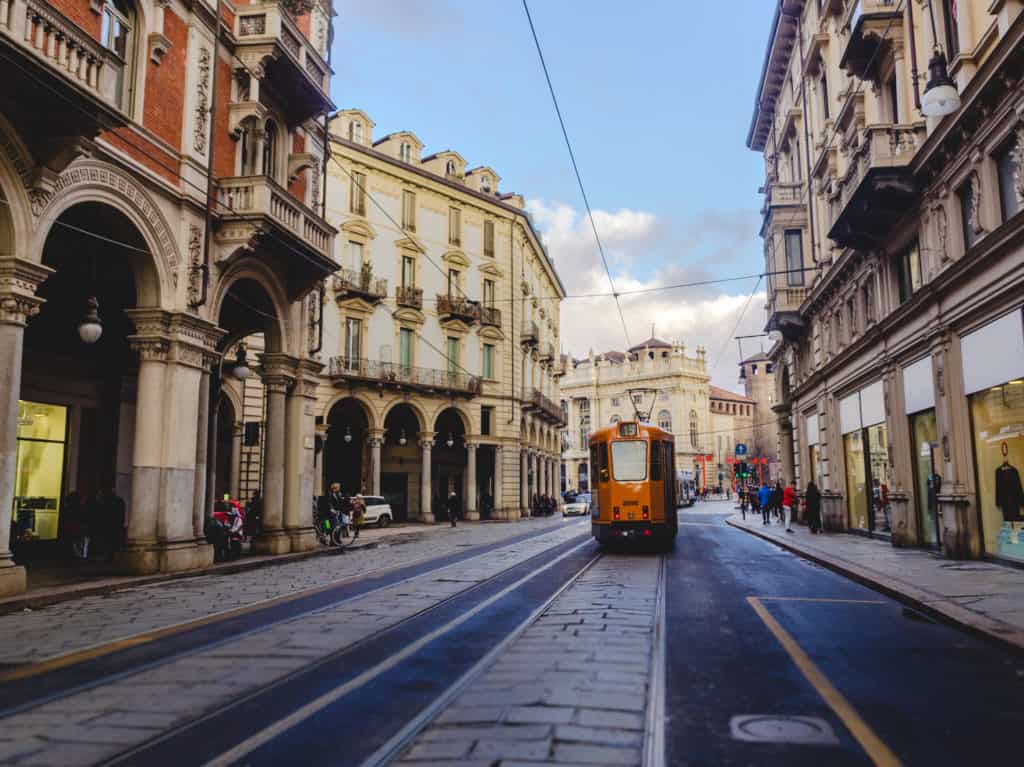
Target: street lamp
[[450, 442], [348, 434], [401, 438], [241, 367], [90, 328], [940, 97]]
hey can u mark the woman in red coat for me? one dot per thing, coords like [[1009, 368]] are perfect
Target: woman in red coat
[[788, 502]]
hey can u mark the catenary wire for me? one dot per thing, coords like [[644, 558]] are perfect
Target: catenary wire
[[576, 170]]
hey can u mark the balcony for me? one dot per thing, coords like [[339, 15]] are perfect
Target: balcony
[[784, 312], [409, 297], [878, 187], [783, 194], [870, 24], [547, 352], [529, 333], [256, 215], [490, 316], [349, 283], [561, 365], [270, 45], [53, 67], [453, 308], [533, 401], [347, 370]]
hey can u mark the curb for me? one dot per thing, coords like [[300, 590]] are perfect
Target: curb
[[933, 605], [31, 601]]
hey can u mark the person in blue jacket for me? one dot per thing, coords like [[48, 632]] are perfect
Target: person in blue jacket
[[764, 498]]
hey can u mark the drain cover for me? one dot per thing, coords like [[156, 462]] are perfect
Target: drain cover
[[764, 728]]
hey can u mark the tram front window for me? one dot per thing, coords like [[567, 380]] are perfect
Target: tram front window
[[629, 461]]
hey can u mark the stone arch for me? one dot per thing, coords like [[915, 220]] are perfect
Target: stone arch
[[15, 166], [467, 420], [417, 410], [250, 269], [228, 392], [97, 181], [364, 404]]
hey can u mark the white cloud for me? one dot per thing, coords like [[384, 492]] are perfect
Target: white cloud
[[634, 241]]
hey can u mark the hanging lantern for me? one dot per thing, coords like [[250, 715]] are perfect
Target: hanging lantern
[[348, 435], [90, 328], [241, 369], [401, 439], [940, 97], [450, 442]]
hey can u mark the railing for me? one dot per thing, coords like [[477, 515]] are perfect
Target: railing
[[785, 193], [534, 400], [409, 297], [260, 195], [463, 308], [361, 282], [490, 315], [787, 299], [260, 23], [392, 374], [529, 333], [40, 29], [864, 7]]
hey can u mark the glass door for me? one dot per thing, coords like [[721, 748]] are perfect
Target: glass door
[[856, 481], [39, 470], [925, 432]]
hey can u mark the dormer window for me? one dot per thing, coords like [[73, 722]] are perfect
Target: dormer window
[[355, 131], [405, 152], [485, 184], [449, 168]]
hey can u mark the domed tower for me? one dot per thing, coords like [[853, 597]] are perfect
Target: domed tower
[[758, 379]]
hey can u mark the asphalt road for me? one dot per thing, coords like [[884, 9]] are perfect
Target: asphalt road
[[768, 660]]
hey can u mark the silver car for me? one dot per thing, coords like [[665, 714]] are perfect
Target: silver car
[[578, 507]]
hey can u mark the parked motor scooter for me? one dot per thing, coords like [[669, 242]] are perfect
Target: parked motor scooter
[[226, 529]]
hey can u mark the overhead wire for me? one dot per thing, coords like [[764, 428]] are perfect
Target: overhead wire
[[576, 170]]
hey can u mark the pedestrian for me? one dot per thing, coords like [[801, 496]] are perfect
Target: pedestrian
[[336, 508], [813, 501], [254, 514], [788, 501], [777, 500], [452, 506], [764, 499], [358, 514], [744, 495]]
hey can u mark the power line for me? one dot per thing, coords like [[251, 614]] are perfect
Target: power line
[[739, 319], [576, 169]]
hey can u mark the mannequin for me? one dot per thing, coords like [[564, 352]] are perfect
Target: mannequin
[[1009, 494]]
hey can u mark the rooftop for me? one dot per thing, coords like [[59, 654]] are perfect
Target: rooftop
[[715, 392]]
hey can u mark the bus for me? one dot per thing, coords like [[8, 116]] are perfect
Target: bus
[[634, 494]]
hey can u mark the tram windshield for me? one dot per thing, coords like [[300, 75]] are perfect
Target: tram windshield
[[629, 461]]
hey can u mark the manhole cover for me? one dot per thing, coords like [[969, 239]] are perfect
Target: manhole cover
[[762, 728]]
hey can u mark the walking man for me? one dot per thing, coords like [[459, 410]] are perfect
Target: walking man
[[452, 506], [764, 499], [813, 501]]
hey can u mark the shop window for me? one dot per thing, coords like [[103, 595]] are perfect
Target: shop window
[[909, 273], [1007, 164], [39, 471], [924, 432], [856, 481], [997, 416]]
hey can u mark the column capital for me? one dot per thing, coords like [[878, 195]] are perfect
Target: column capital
[[470, 445], [150, 348], [276, 383], [375, 441], [427, 439], [19, 279]]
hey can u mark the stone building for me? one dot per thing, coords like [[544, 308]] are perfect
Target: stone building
[[900, 368], [595, 393], [731, 423], [159, 202], [439, 330]]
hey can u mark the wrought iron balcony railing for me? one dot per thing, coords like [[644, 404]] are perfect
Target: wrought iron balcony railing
[[403, 376], [349, 282], [463, 309], [490, 315], [409, 297]]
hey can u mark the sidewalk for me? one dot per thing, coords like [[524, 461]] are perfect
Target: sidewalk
[[47, 587], [981, 597]]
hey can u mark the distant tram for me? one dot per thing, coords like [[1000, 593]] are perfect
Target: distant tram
[[634, 493]]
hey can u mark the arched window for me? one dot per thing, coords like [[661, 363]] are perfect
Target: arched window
[[614, 419], [693, 428], [118, 35], [665, 420], [485, 184], [270, 149], [449, 168]]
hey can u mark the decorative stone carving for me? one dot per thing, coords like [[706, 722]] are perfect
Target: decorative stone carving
[[150, 349], [1018, 161], [195, 265], [313, 308], [942, 229], [202, 98], [158, 46], [974, 208]]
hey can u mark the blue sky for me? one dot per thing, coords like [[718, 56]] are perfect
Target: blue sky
[[658, 115]]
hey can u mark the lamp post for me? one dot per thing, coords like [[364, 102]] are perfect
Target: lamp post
[[940, 97]]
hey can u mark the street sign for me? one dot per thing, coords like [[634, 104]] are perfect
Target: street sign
[[741, 449]]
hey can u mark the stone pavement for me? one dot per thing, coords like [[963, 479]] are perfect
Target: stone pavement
[[570, 690], [36, 635], [983, 597], [99, 722]]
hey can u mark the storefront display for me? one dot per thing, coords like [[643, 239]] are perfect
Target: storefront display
[[856, 481], [866, 458], [924, 432], [881, 477], [39, 472], [998, 418]]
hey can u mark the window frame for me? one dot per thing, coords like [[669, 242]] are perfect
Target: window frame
[[408, 210], [487, 361], [794, 279], [629, 444], [1007, 166], [454, 226], [905, 279]]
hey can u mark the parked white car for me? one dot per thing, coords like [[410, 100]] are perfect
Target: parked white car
[[378, 512], [578, 507]]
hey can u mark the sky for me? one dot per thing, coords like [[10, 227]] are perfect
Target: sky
[[658, 117]]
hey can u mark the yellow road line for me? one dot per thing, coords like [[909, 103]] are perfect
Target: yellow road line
[[876, 750], [822, 599]]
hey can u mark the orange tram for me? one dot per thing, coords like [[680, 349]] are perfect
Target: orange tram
[[634, 489]]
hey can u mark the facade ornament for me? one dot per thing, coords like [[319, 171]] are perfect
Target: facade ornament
[[942, 228], [1018, 161], [202, 97], [150, 349], [974, 209], [195, 266], [313, 310]]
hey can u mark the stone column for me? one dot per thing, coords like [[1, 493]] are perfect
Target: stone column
[[524, 490], [499, 477], [237, 430], [141, 556], [273, 539], [376, 443], [299, 461], [786, 446], [472, 512], [18, 280], [206, 455], [426, 443]]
